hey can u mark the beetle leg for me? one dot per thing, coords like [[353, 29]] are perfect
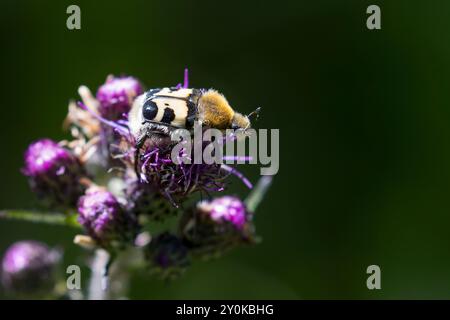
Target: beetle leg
[[139, 143]]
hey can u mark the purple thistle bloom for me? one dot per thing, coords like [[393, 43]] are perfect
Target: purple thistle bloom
[[105, 220], [116, 96], [213, 227], [176, 181], [227, 209], [53, 173], [167, 256], [115, 99], [29, 267]]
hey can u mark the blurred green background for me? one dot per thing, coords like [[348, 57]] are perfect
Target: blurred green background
[[364, 118]]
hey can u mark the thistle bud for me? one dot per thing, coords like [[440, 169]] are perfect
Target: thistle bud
[[105, 220], [167, 256], [230, 209], [213, 227], [116, 96], [29, 269], [53, 173]]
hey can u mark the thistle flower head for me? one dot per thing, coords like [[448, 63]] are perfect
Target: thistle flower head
[[175, 180], [213, 227], [226, 208], [29, 267], [105, 220], [53, 173], [167, 256], [116, 96]]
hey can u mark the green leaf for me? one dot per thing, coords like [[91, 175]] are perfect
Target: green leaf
[[54, 218]]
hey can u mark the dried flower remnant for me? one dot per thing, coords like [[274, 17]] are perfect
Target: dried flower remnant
[[213, 227], [167, 256], [29, 269], [105, 219], [53, 173]]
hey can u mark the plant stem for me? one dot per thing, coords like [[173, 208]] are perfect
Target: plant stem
[[97, 286], [41, 217], [255, 197]]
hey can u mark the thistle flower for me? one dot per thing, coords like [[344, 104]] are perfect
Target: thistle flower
[[114, 101], [167, 256], [158, 173], [29, 268], [176, 181], [226, 208], [116, 96], [213, 227], [53, 173], [105, 220]]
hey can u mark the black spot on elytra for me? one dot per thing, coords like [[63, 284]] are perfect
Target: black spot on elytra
[[149, 110], [168, 116]]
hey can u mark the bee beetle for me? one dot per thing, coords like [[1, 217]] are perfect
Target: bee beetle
[[161, 111]]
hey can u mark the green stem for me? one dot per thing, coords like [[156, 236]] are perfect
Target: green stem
[[52, 218], [255, 197]]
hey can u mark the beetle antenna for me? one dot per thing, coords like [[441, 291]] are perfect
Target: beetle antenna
[[254, 113]]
